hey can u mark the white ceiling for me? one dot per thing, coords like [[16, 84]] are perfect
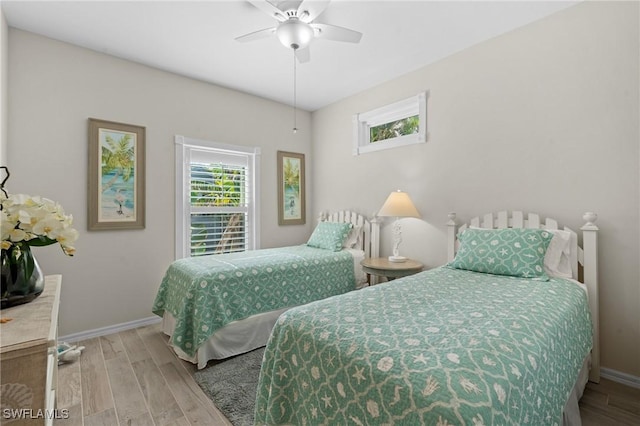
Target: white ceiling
[[196, 39]]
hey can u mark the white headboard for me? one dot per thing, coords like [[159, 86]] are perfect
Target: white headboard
[[585, 256], [369, 240]]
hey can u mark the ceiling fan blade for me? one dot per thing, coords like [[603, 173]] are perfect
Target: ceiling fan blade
[[256, 35], [303, 55], [333, 32], [269, 9], [311, 9]]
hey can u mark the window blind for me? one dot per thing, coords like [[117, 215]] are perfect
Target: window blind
[[219, 194], [217, 197]]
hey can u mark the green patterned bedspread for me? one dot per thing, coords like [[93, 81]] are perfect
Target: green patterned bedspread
[[205, 293], [443, 347]]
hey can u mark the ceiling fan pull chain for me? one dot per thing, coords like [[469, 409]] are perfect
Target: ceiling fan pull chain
[[295, 127]]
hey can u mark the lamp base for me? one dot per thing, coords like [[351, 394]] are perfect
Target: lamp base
[[397, 259]]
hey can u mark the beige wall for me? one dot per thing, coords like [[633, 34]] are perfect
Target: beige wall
[[55, 87], [4, 64], [542, 119]]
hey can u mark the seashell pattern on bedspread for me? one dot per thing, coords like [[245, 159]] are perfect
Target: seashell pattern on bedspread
[[445, 346], [208, 292]]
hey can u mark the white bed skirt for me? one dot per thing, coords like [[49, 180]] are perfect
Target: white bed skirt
[[571, 414], [233, 339]]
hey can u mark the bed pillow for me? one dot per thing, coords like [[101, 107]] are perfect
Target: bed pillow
[[557, 261], [352, 238], [329, 235], [517, 252]]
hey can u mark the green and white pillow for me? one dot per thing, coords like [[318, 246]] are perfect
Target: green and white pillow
[[329, 235], [516, 252]]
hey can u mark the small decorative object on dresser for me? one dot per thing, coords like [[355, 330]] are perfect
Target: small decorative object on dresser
[[384, 267], [28, 358], [29, 222]]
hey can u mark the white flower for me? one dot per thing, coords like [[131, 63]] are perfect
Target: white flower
[[35, 221], [16, 235], [49, 226]]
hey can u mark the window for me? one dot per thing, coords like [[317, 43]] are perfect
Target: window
[[398, 124], [216, 198]]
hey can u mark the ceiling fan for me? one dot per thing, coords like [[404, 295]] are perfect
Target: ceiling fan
[[296, 27]]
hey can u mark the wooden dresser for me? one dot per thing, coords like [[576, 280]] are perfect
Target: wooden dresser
[[29, 358]]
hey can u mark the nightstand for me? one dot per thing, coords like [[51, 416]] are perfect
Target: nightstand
[[382, 267]]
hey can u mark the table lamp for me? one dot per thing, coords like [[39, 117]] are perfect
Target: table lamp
[[398, 205]]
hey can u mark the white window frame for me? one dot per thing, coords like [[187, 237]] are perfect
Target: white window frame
[[184, 147], [362, 123]]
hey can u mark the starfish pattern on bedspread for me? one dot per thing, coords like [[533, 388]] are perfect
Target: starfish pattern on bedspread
[[443, 347], [205, 293]]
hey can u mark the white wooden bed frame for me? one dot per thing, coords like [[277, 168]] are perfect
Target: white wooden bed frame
[[585, 256], [369, 240]]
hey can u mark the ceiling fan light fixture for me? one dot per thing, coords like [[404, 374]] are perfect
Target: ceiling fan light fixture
[[295, 34]]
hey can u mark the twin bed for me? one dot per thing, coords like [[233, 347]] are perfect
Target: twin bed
[[451, 346], [502, 334], [215, 307]]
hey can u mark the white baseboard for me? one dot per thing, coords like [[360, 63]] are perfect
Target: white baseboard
[[617, 376], [90, 334]]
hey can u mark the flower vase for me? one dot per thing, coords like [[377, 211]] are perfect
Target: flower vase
[[22, 278]]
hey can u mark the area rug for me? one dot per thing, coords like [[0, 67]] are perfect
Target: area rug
[[231, 384]]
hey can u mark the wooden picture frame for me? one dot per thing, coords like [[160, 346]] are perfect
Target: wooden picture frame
[[116, 192], [291, 189]]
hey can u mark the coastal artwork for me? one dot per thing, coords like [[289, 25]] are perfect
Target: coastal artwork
[[291, 197], [291, 188], [116, 175]]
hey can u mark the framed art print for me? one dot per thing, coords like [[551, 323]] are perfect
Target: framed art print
[[291, 189], [116, 176]]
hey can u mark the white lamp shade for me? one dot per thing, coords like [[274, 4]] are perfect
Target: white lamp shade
[[398, 204]]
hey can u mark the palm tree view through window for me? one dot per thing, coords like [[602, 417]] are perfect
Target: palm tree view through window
[[394, 129], [219, 186]]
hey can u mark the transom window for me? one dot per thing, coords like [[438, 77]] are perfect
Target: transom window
[[398, 124], [216, 208], [394, 129]]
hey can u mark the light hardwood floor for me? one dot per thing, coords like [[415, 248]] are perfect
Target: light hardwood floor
[[132, 378], [610, 403]]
